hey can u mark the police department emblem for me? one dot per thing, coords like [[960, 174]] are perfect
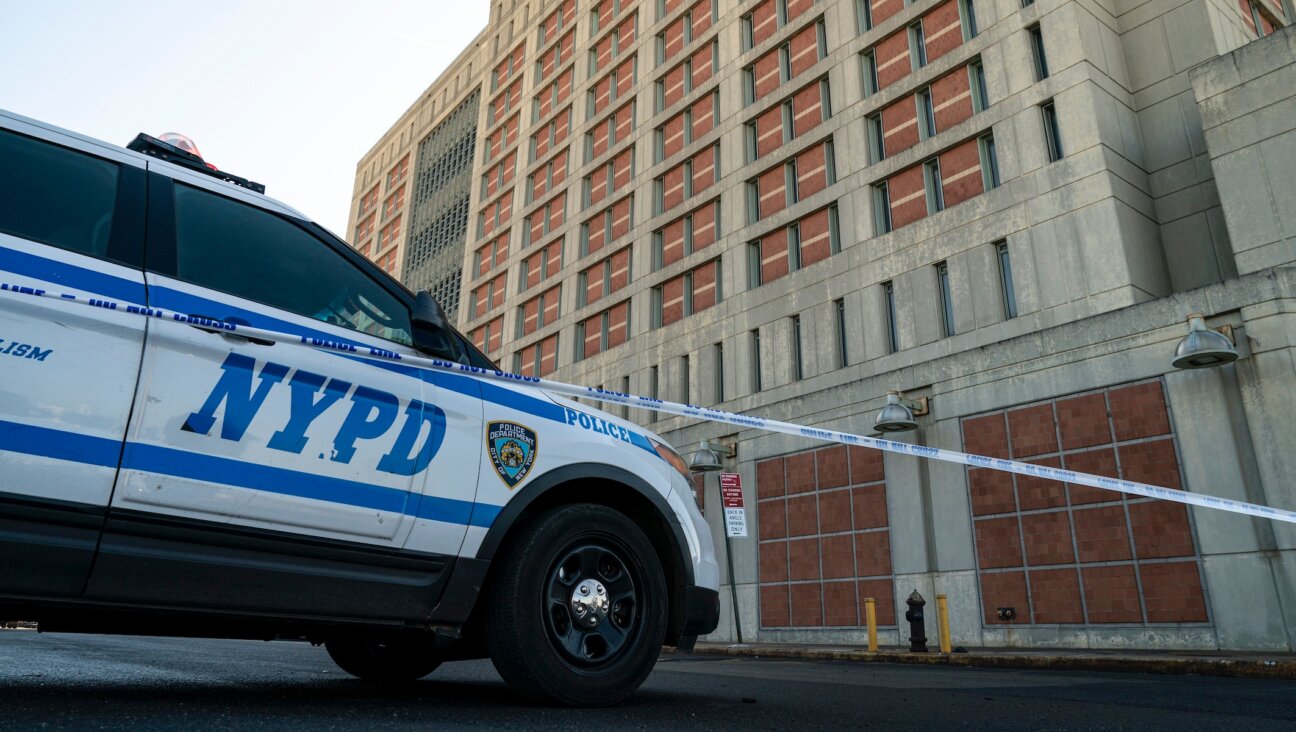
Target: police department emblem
[[512, 450]]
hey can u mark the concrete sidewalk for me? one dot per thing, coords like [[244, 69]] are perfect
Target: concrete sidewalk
[[1201, 663]]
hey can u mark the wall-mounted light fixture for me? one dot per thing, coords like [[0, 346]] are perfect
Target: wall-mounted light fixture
[[897, 415], [707, 458], [1204, 347]]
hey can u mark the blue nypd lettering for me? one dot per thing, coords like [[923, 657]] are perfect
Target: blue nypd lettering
[[371, 414], [594, 424]]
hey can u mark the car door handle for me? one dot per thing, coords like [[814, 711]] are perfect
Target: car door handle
[[232, 336]]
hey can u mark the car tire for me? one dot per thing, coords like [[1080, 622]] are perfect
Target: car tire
[[577, 608], [387, 661]]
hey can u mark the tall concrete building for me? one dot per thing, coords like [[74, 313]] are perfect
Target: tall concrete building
[[1002, 208]]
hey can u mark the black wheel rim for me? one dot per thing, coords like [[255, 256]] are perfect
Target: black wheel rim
[[584, 634]]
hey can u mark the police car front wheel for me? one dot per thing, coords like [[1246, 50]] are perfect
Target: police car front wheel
[[392, 660], [577, 613]]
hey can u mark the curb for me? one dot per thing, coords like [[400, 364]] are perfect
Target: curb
[[1250, 668]]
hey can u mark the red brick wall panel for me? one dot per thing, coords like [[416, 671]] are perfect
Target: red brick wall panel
[[800, 472], [1111, 594], [702, 20], [1055, 596], [704, 286], [672, 242], [704, 226], [1082, 421], [807, 109], [998, 543], [774, 260], [1032, 431], [869, 507], [840, 607], [795, 8], [703, 112], [1161, 530], [832, 468], [672, 187], [772, 188], [804, 49], [620, 269], [766, 71], [673, 86], [900, 125], [1154, 463], [865, 465], [803, 559], [991, 491], [1139, 411], [807, 607], [769, 131], [674, 38], [987, 435], [815, 234], [883, 9], [672, 301], [621, 217], [908, 201], [773, 561], [618, 324], [1048, 538], [1003, 589], [1101, 534], [673, 135], [837, 555], [773, 519], [812, 177], [835, 513], [892, 55], [952, 98], [883, 593], [961, 173], [1034, 493], [873, 553], [942, 29], [704, 170], [774, 606], [764, 21], [1095, 462], [702, 65], [1173, 593], [769, 478], [803, 515]]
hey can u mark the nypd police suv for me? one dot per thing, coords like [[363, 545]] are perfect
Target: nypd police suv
[[163, 473]]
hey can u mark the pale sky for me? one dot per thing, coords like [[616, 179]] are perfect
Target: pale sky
[[285, 92]]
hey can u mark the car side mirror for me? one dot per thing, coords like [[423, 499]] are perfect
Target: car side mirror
[[432, 332]]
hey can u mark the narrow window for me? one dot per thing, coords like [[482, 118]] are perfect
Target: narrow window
[[688, 294], [977, 82], [834, 230], [790, 181], [1052, 136], [659, 95], [659, 193], [754, 278], [788, 125], [881, 208], [719, 372], [876, 138], [864, 15], [685, 370], [578, 352], [1037, 52], [794, 247], [748, 40], [989, 162], [652, 384], [798, 368], [582, 292], [661, 48], [753, 201], [839, 314], [821, 40], [946, 299], [893, 337], [932, 184], [1006, 280], [749, 85], [868, 60], [967, 14], [830, 162], [658, 300], [659, 145], [926, 114], [749, 140], [756, 360], [917, 46], [785, 62], [625, 389]]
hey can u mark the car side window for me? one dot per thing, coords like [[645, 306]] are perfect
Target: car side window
[[55, 195], [245, 251]]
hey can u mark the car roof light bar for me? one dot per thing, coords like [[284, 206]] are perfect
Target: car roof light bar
[[149, 145]]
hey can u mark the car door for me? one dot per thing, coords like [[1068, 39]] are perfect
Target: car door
[[274, 476], [71, 234]]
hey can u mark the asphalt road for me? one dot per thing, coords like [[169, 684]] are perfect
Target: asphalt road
[[101, 682]]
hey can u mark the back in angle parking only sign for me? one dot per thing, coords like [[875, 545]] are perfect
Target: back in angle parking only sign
[[732, 498]]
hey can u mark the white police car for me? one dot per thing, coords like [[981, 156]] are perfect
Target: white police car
[[160, 478]]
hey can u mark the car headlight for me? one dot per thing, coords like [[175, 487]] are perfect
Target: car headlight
[[667, 453]]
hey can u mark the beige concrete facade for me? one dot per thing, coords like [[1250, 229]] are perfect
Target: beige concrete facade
[[1172, 194]]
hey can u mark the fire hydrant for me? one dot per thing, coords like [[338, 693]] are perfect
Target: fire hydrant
[[917, 627]]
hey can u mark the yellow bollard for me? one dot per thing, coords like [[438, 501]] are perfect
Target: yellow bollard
[[870, 616], [942, 617]]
